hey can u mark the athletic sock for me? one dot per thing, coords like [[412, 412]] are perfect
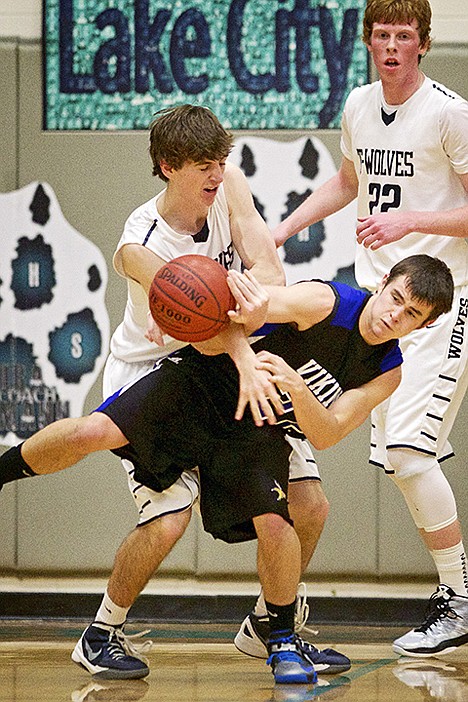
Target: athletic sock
[[452, 568], [281, 619], [13, 466], [110, 613]]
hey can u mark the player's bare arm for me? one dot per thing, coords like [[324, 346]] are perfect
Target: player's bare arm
[[385, 227], [332, 196], [324, 427], [250, 234], [141, 265], [305, 303]]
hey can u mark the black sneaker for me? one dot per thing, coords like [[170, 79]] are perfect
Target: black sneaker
[[108, 653], [252, 639]]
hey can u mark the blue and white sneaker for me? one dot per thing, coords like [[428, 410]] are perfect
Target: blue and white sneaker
[[288, 664], [108, 653], [253, 634]]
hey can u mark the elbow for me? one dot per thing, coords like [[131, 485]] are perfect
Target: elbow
[[322, 443]]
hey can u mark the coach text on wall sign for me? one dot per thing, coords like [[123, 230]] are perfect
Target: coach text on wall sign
[[259, 64]]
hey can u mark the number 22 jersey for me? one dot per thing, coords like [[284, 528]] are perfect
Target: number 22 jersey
[[408, 157]]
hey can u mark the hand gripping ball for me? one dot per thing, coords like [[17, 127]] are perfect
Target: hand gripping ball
[[189, 298]]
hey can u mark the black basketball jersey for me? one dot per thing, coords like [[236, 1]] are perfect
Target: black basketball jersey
[[177, 414]]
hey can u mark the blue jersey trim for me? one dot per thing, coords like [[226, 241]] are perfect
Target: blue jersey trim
[[350, 302]]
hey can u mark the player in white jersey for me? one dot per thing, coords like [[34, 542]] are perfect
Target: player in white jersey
[[207, 209], [405, 158]]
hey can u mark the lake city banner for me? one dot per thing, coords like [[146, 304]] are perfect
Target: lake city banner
[[258, 64]]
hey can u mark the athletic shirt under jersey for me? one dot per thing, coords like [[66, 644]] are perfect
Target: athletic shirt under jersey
[[145, 226], [407, 157]]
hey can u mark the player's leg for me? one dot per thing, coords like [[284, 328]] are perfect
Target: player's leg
[[279, 568], [308, 507], [58, 446], [419, 416], [104, 649], [432, 505]]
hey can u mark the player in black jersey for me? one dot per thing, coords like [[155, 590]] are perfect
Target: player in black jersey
[[341, 359]]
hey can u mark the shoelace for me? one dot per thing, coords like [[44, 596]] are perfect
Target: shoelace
[[438, 608], [301, 613], [128, 645]]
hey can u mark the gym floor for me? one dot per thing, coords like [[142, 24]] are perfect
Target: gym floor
[[199, 663]]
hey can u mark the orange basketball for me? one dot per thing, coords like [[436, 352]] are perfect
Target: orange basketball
[[189, 298]]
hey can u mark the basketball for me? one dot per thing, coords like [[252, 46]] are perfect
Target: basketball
[[189, 298]]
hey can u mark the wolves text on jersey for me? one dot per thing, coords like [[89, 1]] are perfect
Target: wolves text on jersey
[[458, 332], [386, 162]]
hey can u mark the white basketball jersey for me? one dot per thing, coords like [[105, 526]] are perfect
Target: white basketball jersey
[[407, 157], [145, 226]]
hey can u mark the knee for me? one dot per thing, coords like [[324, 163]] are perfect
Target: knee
[[271, 527], [96, 432], [405, 463], [308, 504], [166, 529]]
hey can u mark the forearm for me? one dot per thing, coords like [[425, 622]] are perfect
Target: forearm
[[318, 423], [331, 197], [231, 340], [446, 223]]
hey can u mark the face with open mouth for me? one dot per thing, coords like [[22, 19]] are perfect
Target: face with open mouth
[[395, 50], [198, 182]]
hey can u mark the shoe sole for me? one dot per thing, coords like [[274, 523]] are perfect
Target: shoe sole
[[419, 654], [101, 673], [250, 647], [295, 679]]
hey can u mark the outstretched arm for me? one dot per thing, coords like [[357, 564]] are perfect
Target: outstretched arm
[[332, 196], [250, 234]]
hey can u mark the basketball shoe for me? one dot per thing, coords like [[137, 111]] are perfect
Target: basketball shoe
[[108, 653], [288, 663], [253, 634], [445, 627]]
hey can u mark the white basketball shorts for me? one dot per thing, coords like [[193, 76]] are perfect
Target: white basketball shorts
[[420, 414]]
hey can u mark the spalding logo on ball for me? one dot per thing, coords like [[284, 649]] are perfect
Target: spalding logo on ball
[[189, 298]]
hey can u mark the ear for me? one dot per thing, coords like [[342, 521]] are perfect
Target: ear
[[383, 283], [424, 48], [427, 323], [166, 169]]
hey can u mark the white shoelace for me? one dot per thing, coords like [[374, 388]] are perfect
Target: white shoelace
[[302, 612], [131, 647]]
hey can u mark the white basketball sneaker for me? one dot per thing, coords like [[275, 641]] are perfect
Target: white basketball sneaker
[[445, 627]]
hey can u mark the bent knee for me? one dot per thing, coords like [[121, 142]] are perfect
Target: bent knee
[[405, 463], [97, 432], [308, 502], [271, 525]]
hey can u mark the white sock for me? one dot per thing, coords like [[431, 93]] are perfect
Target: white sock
[[110, 613], [260, 609], [452, 568]]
